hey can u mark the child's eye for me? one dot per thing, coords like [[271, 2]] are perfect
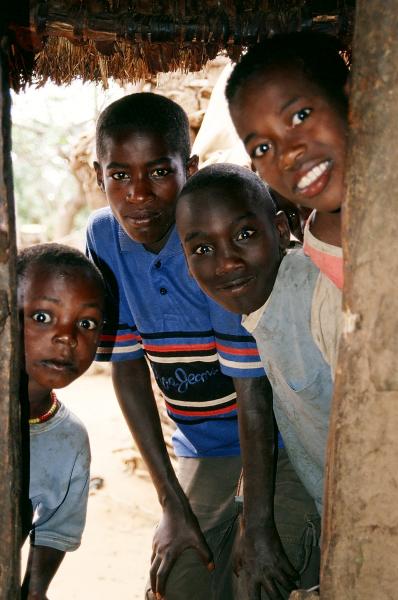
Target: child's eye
[[88, 324], [160, 172], [245, 234], [120, 176], [260, 150], [203, 249], [41, 317], [301, 116]]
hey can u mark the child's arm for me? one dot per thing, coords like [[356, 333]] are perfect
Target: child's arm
[[178, 528], [43, 563], [261, 553]]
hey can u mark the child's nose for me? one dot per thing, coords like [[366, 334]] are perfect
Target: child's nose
[[139, 190], [66, 337], [228, 262], [290, 155]]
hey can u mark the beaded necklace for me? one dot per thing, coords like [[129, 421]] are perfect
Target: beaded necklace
[[50, 413]]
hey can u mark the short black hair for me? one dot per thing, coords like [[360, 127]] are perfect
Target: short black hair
[[227, 176], [57, 257], [146, 112], [318, 55]]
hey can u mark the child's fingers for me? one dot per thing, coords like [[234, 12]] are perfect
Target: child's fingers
[[272, 591], [162, 574], [205, 555], [287, 582], [153, 572]]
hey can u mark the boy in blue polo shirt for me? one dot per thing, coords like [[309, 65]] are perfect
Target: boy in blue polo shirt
[[200, 355]]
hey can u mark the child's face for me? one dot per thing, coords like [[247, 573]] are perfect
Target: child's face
[[62, 317], [142, 178], [233, 249], [295, 136]]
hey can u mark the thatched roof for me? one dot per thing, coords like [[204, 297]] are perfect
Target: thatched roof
[[130, 40]]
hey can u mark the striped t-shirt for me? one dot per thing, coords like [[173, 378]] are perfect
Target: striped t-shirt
[[155, 308]]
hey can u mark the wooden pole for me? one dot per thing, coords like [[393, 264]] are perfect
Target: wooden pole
[[360, 533], [9, 405]]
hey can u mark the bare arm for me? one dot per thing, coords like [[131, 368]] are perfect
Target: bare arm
[[261, 553], [178, 529], [43, 563]]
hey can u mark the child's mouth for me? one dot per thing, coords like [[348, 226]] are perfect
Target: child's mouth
[[143, 219], [59, 365], [237, 286], [315, 180]]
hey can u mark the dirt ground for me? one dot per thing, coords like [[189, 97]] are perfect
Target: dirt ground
[[113, 559]]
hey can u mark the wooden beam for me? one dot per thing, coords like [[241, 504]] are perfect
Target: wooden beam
[[360, 533], [95, 40], [228, 22], [9, 404]]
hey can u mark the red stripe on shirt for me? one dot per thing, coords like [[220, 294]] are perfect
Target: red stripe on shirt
[[179, 347], [124, 337], [238, 351], [201, 413]]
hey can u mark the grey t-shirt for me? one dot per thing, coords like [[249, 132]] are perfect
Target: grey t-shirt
[[300, 377], [59, 480]]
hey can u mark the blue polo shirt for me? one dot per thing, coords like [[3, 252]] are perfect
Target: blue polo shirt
[[194, 346]]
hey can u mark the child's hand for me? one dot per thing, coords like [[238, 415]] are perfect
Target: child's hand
[[263, 560], [175, 533]]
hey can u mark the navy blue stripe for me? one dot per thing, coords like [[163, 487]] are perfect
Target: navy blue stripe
[[193, 421]]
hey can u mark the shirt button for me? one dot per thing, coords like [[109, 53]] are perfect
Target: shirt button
[[163, 291], [158, 264]]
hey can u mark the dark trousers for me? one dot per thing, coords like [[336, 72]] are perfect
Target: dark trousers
[[211, 486]]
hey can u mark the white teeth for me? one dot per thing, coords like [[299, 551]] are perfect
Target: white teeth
[[312, 175]]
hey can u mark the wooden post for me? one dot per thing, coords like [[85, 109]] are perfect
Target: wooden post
[[360, 534], [9, 404]]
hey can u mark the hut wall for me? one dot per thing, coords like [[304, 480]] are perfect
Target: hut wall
[[360, 535], [9, 405]]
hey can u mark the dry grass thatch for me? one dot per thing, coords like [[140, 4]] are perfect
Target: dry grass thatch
[[131, 40]]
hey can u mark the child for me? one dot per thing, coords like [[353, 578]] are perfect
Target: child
[[235, 244], [288, 101], [194, 348], [61, 298]]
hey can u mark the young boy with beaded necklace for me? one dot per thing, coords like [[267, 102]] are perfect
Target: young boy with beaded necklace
[[61, 300]]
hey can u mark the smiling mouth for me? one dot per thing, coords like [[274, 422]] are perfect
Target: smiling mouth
[[314, 176], [236, 286], [143, 218]]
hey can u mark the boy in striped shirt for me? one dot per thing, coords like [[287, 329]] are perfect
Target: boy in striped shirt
[[200, 355]]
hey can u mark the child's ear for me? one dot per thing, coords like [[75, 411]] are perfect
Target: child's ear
[[98, 171], [282, 226], [192, 165]]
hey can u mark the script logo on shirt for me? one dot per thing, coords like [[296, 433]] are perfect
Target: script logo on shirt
[[182, 380]]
